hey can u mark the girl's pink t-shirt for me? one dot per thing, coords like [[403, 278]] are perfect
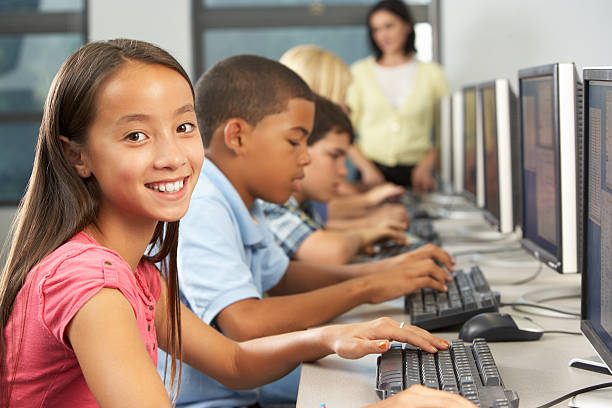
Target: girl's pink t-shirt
[[48, 373]]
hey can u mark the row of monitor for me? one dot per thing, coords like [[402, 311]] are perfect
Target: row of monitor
[[517, 159], [525, 162]]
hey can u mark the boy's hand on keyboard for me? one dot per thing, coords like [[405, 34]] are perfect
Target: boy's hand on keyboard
[[370, 235], [357, 340], [418, 396], [404, 278], [429, 251], [380, 193], [390, 215]]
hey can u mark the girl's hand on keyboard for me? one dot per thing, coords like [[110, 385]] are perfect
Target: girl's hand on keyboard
[[356, 340], [418, 396]]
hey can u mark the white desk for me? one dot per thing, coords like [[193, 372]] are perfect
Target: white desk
[[538, 371]]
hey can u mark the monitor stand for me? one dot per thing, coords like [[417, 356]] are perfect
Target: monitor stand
[[480, 233], [441, 199], [597, 398], [592, 363], [594, 399], [511, 259], [456, 213]]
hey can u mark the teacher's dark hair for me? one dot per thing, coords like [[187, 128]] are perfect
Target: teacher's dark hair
[[400, 9]]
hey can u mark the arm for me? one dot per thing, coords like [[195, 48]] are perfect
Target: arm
[[370, 174], [418, 396], [358, 204], [238, 365], [422, 179], [338, 247], [110, 351], [388, 215], [325, 292], [125, 376]]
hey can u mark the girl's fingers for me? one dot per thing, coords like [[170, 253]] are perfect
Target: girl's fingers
[[409, 334]]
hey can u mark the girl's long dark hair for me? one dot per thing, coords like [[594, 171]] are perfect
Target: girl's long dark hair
[[58, 203]]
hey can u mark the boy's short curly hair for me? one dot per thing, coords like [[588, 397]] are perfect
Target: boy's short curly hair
[[247, 87]]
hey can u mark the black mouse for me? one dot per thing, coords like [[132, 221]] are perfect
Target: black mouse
[[500, 327]]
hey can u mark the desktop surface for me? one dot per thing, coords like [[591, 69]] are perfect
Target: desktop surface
[[538, 371]]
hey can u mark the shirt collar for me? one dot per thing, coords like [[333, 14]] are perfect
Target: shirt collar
[[249, 230]]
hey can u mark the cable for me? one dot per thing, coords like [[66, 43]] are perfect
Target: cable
[[484, 251], [527, 302], [563, 332], [553, 309], [574, 393], [529, 278]]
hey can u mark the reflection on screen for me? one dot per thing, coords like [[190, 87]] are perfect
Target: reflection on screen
[[490, 148], [540, 178], [599, 205], [469, 164]]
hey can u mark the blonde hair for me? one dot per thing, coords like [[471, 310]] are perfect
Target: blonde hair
[[325, 73]]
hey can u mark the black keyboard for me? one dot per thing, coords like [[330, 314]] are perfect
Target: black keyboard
[[423, 228], [466, 369], [386, 249], [468, 295]]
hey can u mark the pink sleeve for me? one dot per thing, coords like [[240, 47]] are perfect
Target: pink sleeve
[[71, 284]]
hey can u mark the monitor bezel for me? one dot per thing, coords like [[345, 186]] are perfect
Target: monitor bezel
[[552, 260], [472, 198], [488, 215], [457, 141], [588, 75], [444, 143]]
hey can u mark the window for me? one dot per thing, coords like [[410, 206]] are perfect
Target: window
[[270, 27], [36, 36]]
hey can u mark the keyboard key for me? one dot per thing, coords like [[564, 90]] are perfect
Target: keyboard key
[[480, 282], [459, 369], [468, 295]]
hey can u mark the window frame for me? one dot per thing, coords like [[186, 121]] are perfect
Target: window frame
[[37, 22], [295, 16]]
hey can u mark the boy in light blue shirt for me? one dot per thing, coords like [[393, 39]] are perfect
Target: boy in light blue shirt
[[255, 115]]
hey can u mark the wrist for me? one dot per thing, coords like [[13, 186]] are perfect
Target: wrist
[[367, 285], [326, 339]]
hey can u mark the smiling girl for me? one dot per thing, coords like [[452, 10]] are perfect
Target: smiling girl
[[83, 308]]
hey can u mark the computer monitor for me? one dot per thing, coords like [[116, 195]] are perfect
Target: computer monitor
[[548, 128], [444, 145], [501, 154], [457, 141], [473, 183], [596, 265]]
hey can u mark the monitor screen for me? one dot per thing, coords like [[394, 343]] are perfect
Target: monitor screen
[[540, 163], [469, 143], [597, 270], [489, 127]]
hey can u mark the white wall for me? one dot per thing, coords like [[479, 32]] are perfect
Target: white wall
[[487, 39], [161, 22]]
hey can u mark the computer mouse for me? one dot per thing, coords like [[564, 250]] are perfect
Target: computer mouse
[[500, 327]]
